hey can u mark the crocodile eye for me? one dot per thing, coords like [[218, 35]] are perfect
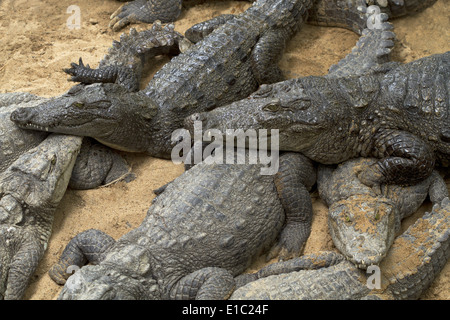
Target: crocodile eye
[[78, 104], [272, 106]]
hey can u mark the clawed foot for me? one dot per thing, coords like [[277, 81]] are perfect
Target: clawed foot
[[77, 71], [147, 11], [290, 244], [126, 14]]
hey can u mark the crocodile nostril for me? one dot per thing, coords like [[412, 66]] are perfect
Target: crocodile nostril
[[22, 115]]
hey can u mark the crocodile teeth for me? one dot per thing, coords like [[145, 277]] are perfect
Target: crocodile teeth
[[37, 127]]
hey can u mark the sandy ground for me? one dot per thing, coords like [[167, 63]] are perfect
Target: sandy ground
[[36, 44]]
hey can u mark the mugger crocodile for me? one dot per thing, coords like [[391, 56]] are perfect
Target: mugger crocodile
[[227, 65], [204, 228], [148, 11], [96, 164], [364, 221], [30, 190], [366, 106], [415, 259]]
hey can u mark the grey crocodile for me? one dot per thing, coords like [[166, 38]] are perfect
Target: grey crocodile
[[30, 190], [413, 262], [363, 221], [148, 11], [225, 66], [366, 106], [96, 165], [224, 216], [126, 59]]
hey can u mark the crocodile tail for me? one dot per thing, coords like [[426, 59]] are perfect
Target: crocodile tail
[[373, 48], [419, 254]]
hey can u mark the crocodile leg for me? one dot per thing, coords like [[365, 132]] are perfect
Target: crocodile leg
[[24, 261], [407, 159], [145, 11], [265, 55], [269, 49], [144, 45], [295, 177], [97, 165], [308, 262], [88, 246], [200, 30], [204, 284]]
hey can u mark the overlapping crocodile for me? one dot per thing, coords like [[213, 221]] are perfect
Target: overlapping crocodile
[[214, 72], [148, 11], [30, 190], [413, 262], [226, 66], [96, 165], [224, 215], [398, 113], [363, 221]]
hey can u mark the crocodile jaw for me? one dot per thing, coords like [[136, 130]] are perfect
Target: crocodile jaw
[[363, 228]]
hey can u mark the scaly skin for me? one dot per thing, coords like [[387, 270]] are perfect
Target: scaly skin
[[126, 58], [13, 140], [363, 221], [341, 13], [30, 190], [96, 165], [324, 12], [399, 114], [205, 228], [226, 66], [413, 262]]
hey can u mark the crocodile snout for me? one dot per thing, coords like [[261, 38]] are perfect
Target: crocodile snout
[[22, 115]]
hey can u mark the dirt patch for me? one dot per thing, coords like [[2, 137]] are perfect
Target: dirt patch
[[36, 44]]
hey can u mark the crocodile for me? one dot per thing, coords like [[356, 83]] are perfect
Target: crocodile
[[30, 190], [149, 11], [414, 260], [224, 216], [96, 164], [363, 221], [227, 65], [365, 106]]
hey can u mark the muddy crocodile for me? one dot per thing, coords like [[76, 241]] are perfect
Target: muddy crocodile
[[148, 11], [365, 106], [412, 263], [225, 66], [30, 190], [224, 216], [96, 164], [364, 221]]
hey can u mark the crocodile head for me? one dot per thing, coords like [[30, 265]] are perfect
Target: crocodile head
[[99, 282], [305, 118], [363, 228], [105, 111], [30, 190], [125, 274], [37, 181]]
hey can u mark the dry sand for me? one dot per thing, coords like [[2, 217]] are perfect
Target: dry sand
[[36, 44]]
